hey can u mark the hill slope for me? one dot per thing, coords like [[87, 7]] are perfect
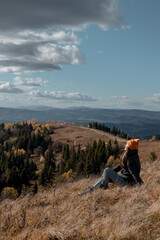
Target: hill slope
[[114, 214], [73, 134], [81, 135]]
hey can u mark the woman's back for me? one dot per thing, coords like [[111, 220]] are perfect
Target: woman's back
[[132, 167]]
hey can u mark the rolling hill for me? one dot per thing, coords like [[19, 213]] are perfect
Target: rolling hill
[[58, 213]]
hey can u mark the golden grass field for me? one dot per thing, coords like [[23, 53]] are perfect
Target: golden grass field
[[59, 213], [81, 135]]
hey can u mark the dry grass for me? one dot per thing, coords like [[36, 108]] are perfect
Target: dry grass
[[114, 214], [146, 147], [69, 134]]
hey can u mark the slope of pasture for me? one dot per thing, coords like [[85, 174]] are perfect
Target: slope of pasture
[[60, 213], [71, 134]]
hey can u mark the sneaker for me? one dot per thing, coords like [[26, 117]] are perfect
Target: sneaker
[[85, 191], [104, 186]]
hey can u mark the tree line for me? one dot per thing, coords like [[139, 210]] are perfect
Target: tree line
[[92, 160], [114, 131]]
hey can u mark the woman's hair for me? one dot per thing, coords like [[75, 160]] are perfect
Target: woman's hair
[[124, 157]]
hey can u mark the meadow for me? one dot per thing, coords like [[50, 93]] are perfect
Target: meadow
[[59, 213]]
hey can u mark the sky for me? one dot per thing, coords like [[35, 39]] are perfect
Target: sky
[[72, 53]]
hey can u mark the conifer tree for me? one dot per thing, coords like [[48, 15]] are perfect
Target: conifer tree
[[46, 176], [109, 149], [35, 188], [115, 148], [42, 178]]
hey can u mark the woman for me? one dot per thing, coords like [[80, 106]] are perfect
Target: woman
[[130, 169]]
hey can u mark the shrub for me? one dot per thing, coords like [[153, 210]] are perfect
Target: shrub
[[9, 192], [112, 162], [152, 157], [154, 138], [70, 175]]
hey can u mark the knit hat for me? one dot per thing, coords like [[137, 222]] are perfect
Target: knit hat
[[133, 144]]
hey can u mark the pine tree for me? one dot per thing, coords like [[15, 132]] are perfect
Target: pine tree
[[61, 167], [67, 153], [24, 176], [35, 188], [73, 158], [109, 149], [42, 178], [46, 176], [115, 148]]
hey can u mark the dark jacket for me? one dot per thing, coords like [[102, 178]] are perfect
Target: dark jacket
[[132, 168]]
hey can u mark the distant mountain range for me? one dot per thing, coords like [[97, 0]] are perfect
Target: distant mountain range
[[137, 123]]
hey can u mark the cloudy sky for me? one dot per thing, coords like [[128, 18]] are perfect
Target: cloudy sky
[[94, 53]]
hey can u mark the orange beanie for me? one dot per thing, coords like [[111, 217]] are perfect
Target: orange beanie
[[133, 144]]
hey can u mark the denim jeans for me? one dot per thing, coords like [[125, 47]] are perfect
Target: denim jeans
[[109, 175]]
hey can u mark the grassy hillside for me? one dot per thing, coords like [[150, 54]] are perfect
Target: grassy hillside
[[59, 213], [66, 133], [114, 214]]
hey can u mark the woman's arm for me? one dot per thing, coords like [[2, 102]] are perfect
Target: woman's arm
[[133, 171], [117, 168]]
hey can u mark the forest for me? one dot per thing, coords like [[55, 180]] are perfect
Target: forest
[[90, 161], [17, 144], [20, 141]]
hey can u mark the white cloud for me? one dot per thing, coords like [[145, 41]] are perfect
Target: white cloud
[[122, 101], [60, 95], [68, 54], [28, 36], [120, 98], [150, 103], [153, 103], [30, 41], [126, 27], [34, 57], [31, 82], [155, 99], [9, 88], [2, 98]]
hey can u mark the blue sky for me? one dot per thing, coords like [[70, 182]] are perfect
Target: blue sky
[[93, 53]]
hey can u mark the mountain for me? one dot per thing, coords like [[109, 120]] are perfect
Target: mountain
[[137, 123], [36, 108]]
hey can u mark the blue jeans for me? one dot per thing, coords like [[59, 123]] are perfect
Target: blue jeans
[[109, 175]]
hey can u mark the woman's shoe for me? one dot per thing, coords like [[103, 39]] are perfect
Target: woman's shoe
[[85, 191], [102, 186]]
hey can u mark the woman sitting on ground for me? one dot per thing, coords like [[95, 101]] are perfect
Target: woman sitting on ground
[[130, 169]]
